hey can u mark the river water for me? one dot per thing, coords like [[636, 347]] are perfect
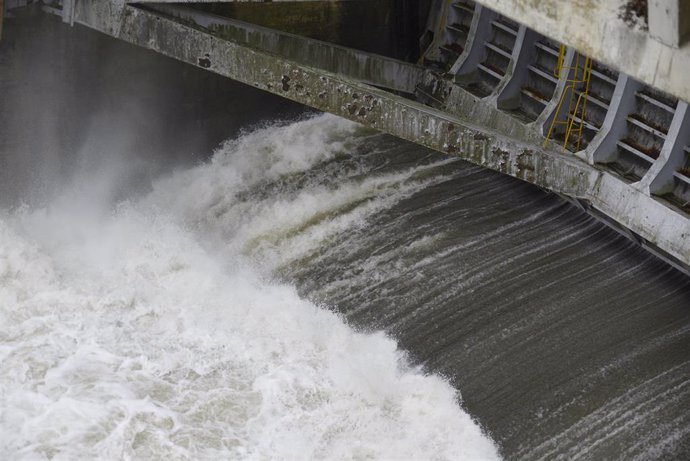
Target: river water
[[310, 289]]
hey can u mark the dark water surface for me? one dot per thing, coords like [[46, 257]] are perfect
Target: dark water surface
[[564, 338]]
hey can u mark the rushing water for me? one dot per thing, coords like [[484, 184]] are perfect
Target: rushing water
[[169, 326], [154, 330], [313, 290]]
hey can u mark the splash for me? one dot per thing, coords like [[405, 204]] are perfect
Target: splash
[[152, 329]]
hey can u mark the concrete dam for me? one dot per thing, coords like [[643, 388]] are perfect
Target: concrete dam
[[344, 229], [499, 84]]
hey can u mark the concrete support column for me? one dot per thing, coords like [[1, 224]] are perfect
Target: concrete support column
[[659, 178], [523, 36], [552, 110], [603, 148], [433, 19], [603, 145], [68, 11], [669, 21], [524, 54], [439, 14], [480, 32]]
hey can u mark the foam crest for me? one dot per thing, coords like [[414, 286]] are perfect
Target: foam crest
[[125, 336]]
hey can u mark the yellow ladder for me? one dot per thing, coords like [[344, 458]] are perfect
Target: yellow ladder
[[577, 105]]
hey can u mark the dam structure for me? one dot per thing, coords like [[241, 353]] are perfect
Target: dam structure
[[585, 99], [355, 229]]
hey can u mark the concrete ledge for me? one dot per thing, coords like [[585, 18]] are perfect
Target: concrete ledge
[[367, 67]]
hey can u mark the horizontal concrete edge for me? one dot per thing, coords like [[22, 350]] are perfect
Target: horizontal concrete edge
[[367, 67]]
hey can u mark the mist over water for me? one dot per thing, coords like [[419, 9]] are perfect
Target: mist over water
[[140, 316], [183, 276], [147, 330]]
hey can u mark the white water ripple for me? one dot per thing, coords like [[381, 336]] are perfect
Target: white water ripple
[[124, 335]]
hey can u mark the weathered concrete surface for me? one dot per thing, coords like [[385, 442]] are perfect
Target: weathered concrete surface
[[669, 21], [652, 221], [366, 67], [367, 25], [595, 28]]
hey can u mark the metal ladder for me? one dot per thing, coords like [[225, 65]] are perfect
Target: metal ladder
[[577, 104]]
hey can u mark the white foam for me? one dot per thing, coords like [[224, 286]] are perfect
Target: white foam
[[125, 336]]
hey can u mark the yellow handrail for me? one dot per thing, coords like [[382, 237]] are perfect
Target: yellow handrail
[[581, 73], [582, 98]]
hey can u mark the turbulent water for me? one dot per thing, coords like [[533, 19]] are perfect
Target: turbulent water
[[154, 329], [238, 310]]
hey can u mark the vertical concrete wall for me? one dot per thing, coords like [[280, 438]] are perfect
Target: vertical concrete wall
[[597, 29], [669, 21], [480, 32], [602, 149], [659, 179], [386, 27]]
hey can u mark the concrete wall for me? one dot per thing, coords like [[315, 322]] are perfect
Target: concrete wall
[[361, 24], [669, 21], [596, 28], [367, 67]]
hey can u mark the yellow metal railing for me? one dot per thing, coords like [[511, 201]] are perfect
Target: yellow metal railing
[[578, 78]]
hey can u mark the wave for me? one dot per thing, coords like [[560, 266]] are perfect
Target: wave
[[155, 328]]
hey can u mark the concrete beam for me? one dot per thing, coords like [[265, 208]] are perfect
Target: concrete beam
[[596, 29], [669, 21], [524, 52], [367, 67], [654, 223]]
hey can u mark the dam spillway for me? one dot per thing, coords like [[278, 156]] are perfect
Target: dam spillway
[[493, 103], [563, 338]]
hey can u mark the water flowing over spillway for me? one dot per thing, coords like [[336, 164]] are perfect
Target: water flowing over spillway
[[154, 329], [238, 309]]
